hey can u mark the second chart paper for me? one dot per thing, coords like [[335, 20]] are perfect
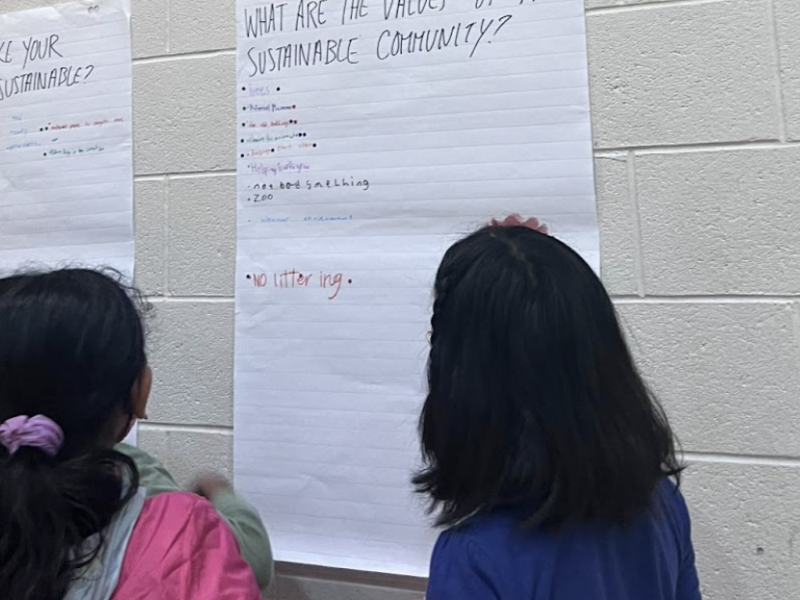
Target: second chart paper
[[66, 164], [371, 136]]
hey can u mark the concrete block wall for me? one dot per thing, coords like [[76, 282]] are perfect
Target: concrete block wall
[[696, 106], [697, 133]]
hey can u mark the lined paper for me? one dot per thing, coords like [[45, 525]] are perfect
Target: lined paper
[[371, 136], [66, 174]]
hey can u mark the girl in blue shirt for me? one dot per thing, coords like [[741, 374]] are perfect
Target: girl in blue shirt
[[548, 461]]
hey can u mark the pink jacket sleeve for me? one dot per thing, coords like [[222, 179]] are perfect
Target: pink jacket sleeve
[[182, 550]]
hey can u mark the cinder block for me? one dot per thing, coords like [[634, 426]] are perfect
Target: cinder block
[[185, 114], [726, 373], [149, 27], [746, 520], [197, 25], [682, 74], [188, 454], [720, 222], [787, 19], [615, 211], [191, 352], [202, 236], [150, 225]]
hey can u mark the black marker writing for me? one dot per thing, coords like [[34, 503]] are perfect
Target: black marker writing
[[263, 20], [308, 54], [43, 49], [5, 53], [502, 21], [44, 80], [397, 43], [400, 9], [392, 42], [310, 14], [356, 8]]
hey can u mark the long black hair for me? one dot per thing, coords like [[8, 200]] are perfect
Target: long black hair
[[71, 349], [534, 400]]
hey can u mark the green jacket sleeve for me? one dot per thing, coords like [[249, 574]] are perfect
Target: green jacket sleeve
[[243, 519], [246, 524], [152, 474]]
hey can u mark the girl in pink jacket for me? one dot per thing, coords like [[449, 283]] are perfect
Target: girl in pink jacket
[[74, 524]]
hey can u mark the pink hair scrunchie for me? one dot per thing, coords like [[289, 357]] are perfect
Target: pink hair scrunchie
[[31, 432]]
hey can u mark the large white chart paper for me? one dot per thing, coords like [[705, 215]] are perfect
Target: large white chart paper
[[66, 168], [372, 134]]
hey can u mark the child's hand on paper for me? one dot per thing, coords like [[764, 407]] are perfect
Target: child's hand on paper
[[517, 221], [211, 485]]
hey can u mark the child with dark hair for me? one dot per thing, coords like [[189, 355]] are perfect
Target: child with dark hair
[[548, 461], [74, 523]]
